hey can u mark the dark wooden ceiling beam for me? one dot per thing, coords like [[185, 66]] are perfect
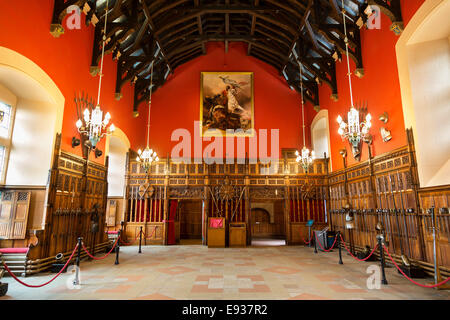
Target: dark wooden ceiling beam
[[155, 32], [170, 33], [200, 26], [252, 30]]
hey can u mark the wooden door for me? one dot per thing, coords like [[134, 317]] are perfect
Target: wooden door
[[191, 219], [14, 214], [261, 225]]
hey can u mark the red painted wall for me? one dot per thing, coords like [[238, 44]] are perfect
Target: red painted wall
[[380, 88], [177, 103], [409, 8], [25, 28]]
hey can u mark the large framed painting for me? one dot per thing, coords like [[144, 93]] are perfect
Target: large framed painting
[[226, 103]]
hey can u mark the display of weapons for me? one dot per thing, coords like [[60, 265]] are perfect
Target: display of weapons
[[436, 248], [446, 220], [400, 233], [405, 225], [363, 214], [380, 206], [387, 215], [237, 206], [214, 201], [69, 214]]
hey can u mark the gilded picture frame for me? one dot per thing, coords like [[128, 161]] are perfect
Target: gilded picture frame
[[227, 103]]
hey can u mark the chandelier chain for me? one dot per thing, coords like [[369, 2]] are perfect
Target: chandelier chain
[[347, 54], [303, 106], [150, 103], [103, 53]]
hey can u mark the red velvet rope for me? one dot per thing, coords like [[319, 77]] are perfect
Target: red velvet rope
[[145, 236], [101, 258], [419, 284], [130, 243], [335, 238], [356, 257], [135, 239], [44, 284]]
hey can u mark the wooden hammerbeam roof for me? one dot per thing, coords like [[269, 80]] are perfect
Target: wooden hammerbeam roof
[[282, 33]]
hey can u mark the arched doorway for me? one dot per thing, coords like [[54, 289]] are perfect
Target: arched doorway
[[267, 223], [423, 57]]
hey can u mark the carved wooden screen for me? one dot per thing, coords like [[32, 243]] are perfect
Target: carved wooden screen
[[14, 214], [76, 186]]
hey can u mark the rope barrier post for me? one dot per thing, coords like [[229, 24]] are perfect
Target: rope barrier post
[[140, 240], [339, 246], [309, 236], [76, 281], [380, 238], [315, 242], [118, 247]]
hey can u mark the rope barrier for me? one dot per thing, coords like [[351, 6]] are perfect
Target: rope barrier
[[335, 239], [44, 284], [374, 249], [101, 258], [406, 276], [130, 243], [145, 235]]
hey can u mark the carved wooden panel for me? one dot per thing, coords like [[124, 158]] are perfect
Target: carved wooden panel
[[14, 214], [111, 214]]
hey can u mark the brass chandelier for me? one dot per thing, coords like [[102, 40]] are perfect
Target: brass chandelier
[[354, 130], [148, 156], [94, 125], [306, 157]]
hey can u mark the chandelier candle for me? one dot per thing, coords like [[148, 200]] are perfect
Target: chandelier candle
[[95, 126], [148, 156], [305, 158], [354, 131]]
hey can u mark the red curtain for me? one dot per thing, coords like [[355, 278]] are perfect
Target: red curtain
[[171, 222]]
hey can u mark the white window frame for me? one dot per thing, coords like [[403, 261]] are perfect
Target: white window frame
[[7, 142]]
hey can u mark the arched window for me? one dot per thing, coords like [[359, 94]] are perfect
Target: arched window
[[32, 108], [423, 56], [7, 111], [320, 134]]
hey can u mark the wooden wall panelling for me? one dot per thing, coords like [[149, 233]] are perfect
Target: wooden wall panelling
[[438, 198], [385, 188]]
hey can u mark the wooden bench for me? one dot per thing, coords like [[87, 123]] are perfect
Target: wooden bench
[[16, 259]]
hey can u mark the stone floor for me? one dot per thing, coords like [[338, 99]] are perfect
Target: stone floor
[[197, 272]]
